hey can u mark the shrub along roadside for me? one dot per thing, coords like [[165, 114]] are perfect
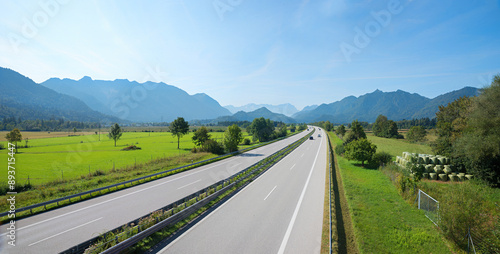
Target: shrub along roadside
[[383, 221]]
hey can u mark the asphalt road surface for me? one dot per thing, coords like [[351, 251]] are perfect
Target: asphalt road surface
[[60, 229], [280, 212]]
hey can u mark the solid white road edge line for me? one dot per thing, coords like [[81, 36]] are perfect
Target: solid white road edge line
[[294, 217], [210, 214], [113, 199], [66, 231], [270, 192]]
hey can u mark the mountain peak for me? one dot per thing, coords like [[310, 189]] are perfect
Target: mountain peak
[[86, 78]]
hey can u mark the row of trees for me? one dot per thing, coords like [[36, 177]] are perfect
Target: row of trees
[[468, 131], [10, 123]]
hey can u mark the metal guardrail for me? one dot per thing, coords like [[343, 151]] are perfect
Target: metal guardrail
[[226, 184], [109, 187], [330, 172]]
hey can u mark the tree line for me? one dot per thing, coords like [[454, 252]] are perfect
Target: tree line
[[10, 123], [468, 131]]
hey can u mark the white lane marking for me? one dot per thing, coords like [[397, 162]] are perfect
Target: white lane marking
[[235, 165], [106, 201], [189, 184], [66, 231], [270, 192], [294, 217], [292, 166], [302, 156], [113, 199], [209, 215]]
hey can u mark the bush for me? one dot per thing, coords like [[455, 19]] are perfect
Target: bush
[[246, 141], [1, 146], [479, 215], [382, 158], [340, 149], [214, 147]]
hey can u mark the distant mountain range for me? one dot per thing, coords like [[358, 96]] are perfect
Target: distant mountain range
[[139, 102], [249, 116], [122, 101], [22, 97], [286, 109], [396, 106]]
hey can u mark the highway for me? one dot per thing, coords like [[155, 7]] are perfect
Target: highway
[[60, 229], [280, 212]]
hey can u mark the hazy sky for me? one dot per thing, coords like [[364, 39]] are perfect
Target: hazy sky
[[241, 51]]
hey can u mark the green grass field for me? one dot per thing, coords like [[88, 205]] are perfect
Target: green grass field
[[383, 221], [396, 147], [49, 159]]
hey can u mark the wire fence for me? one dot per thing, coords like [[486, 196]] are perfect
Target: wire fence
[[429, 205], [477, 242]]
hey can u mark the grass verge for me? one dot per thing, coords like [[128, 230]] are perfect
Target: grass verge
[[382, 220]]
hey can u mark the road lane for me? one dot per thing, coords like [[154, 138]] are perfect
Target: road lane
[[50, 232], [282, 208]]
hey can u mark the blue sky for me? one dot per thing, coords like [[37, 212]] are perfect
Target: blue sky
[[241, 51]]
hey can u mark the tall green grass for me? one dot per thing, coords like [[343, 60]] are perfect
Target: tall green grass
[[383, 221], [62, 158]]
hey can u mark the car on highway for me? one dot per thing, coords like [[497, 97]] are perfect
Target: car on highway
[[311, 138], [319, 135]]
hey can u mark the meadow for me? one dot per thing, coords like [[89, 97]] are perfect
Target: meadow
[[383, 221], [67, 156], [396, 147]]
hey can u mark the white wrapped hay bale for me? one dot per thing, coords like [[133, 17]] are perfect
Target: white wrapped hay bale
[[438, 169], [447, 169], [429, 168], [443, 177], [433, 176]]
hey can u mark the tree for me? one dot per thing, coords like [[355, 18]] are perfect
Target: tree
[[282, 131], [179, 128], [328, 126], [357, 132], [379, 125], [385, 128], [74, 130], [201, 136], [360, 150], [115, 133], [232, 137], [261, 129], [302, 126], [341, 130], [14, 136], [416, 134], [478, 147], [451, 122]]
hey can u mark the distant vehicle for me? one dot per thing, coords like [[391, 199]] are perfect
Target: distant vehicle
[[319, 135], [310, 137]]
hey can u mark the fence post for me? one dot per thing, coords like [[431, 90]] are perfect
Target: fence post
[[418, 199], [468, 241]]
